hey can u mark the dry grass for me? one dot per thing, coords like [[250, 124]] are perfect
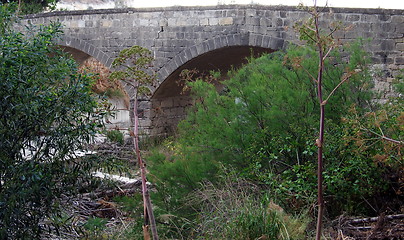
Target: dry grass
[[237, 210]]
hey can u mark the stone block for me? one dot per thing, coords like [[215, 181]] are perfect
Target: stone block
[[105, 23], [143, 22], [171, 22], [398, 27], [210, 45], [279, 22], [381, 27], [231, 39], [226, 21], [352, 34], [193, 51], [276, 43], [387, 45], [399, 60], [231, 13], [89, 23], [184, 102], [239, 20], [398, 37], [250, 12], [339, 16], [182, 22], [400, 46], [213, 21], [203, 22], [264, 22], [178, 61], [352, 17], [384, 17], [81, 23], [168, 112], [255, 40], [116, 23], [382, 86], [183, 58], [167, 103], [71, 24], [200, 48], [397, 19], [253, 21], [283, 14]]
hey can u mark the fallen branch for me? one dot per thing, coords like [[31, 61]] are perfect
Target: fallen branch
[[375, 219]]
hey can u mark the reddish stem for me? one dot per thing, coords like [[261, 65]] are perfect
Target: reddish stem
[[147, 206], [320, 142]]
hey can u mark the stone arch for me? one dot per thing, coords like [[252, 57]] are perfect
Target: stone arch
[[230, 40], [74, 44], [119, 102], [168, 105]]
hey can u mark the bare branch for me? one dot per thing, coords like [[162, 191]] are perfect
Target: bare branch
[[383, 137], [328, 52], [332, 31], [307, 34], [346, 77]]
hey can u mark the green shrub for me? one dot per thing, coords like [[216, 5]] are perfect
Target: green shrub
[[176, 176], [48, 113], [267, 113], [115, 136], [130, 204], [264, 125], [95, 224]]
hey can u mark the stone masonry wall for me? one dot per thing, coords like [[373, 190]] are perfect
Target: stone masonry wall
[[167, 113], [177, 35]]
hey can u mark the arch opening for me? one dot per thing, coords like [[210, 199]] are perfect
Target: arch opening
[[115, 92], [169, 104], [79, 56]]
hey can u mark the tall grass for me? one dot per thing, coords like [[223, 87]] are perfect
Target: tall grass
[[235, 209]]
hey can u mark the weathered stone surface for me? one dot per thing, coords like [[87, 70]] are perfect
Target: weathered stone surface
[[179, 36]]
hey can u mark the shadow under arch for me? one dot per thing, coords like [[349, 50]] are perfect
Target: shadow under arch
[[218, 54], [168, 105]]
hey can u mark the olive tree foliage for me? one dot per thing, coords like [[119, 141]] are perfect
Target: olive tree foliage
[[47, 113]]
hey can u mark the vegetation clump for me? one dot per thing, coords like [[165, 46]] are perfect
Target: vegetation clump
[[115, 136], [263, 126], [48, 114], [31, 6]]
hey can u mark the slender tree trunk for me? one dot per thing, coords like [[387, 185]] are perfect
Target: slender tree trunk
[[320, 198], [320, 140], [147, 206]]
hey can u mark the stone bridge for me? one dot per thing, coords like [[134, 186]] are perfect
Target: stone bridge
[[214, 38]]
